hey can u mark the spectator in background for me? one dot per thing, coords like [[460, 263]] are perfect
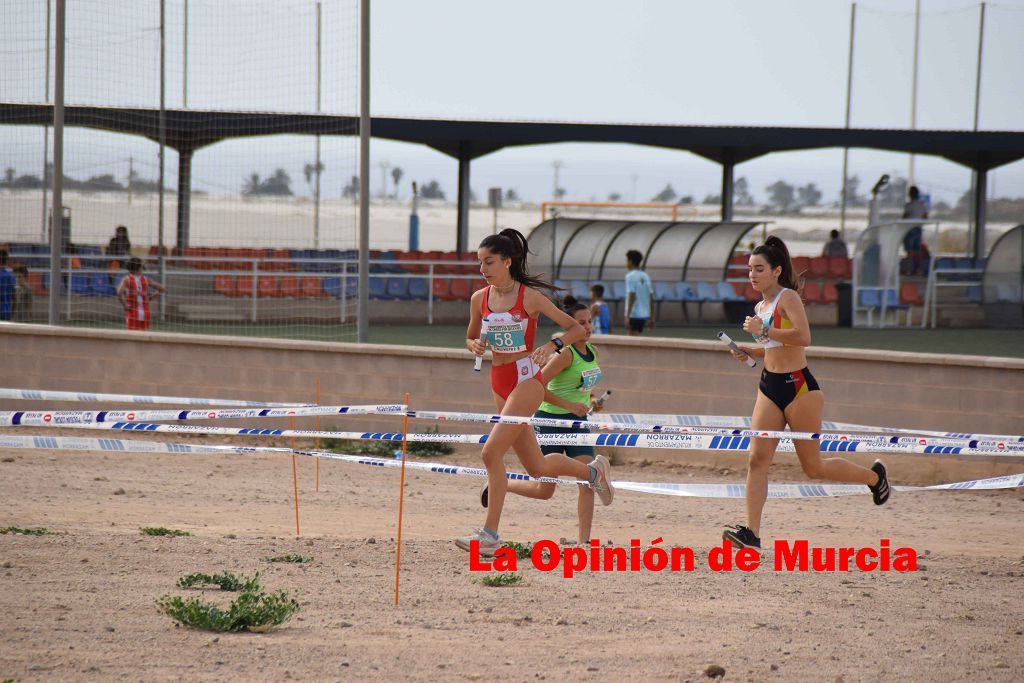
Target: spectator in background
[[915, 208], [7, 285], [639, 295], [119, 244], [602, 319], [22, 310], [134, 293], [835, 246]]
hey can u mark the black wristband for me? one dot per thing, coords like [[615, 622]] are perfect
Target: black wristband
[[559, 344]]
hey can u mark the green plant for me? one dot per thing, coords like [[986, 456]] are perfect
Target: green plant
[[38, 531], [226, 581], [253, 610], [163, 531], [503, 579], [427, 448], [384, 449], [299, 559], [522, 550]]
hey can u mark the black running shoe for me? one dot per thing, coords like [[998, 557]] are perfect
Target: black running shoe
[[880, 491], [483, 496], [741, 537]]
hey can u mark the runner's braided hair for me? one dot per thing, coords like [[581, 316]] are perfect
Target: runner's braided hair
[[776, 254], [511, 244]]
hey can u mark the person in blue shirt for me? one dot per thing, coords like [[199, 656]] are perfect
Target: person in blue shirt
[[639, 295], [7, 285], [599, 310]]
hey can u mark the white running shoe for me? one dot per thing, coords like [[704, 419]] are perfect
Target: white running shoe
[[603, 486], [488, 544]]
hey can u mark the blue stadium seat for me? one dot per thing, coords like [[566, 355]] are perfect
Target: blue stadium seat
[[618, 291], [81, 283], [684, 292], [397, 288], [419, 288], [705, 292], [665, 291], [101, 285], [726, 292], [580, 290], [378, 288]]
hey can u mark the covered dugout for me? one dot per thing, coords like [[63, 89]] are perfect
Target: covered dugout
[[1003, 281], [688, 261]]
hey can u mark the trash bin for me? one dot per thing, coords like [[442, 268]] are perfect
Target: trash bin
[[844, 305]]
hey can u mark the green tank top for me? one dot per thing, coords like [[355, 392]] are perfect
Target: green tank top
[[575, 383]]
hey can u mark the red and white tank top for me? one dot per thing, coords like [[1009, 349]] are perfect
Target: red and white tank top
[[511, 331], [138, 297]]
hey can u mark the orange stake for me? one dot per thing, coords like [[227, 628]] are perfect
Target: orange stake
[[295, 477], [317, 438], [401, 497]]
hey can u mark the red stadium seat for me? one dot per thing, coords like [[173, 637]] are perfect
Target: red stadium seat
[[829, 293], [243, 285], [910, 294], [461, 289], [812, 292], [818, 267], [290, 287], [751, 294], [442, 289], [312, 287], [839, 267], [224, 284], [266, 285], [801, 264]]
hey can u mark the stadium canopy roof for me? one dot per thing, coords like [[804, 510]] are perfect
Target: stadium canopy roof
[[187, 130], [191, 129]]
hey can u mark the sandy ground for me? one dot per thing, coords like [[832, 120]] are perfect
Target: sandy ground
[[79, 605]]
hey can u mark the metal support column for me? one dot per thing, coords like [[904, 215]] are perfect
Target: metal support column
[[57, 211], [462, 222], [980, 190], [728, 166], [363, 309], [184, 196]]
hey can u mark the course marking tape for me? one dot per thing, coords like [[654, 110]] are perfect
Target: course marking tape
[[949, 442], [744, 423], [669, 441], [661, 488], [79, 418], [81, 396]]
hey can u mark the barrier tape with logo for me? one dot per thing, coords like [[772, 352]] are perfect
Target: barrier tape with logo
[[710, 442], [690, 490], [80, 418], [82, 396]]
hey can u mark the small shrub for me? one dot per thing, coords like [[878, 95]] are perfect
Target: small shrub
[[427, 449], [522, 550], [226, 581], [501, 580], [298, 559], [253, 610], [38, 531], [163, 531]]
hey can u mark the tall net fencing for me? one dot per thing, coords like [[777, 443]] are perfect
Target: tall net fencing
[[251, 226]]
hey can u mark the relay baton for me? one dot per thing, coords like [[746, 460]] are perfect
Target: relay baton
[[478, 362], [600, 401], [724, 338]]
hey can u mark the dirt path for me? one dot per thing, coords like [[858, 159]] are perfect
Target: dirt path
[[80, 605]]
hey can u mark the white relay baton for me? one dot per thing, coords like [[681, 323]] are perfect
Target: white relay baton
[[478, 362], [724, 338]]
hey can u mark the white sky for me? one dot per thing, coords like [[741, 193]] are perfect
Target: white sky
[[744, 62]]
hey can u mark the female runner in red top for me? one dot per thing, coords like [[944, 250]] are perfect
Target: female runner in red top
[[503, 315]]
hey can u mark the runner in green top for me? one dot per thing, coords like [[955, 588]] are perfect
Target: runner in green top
[[567, 396]]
